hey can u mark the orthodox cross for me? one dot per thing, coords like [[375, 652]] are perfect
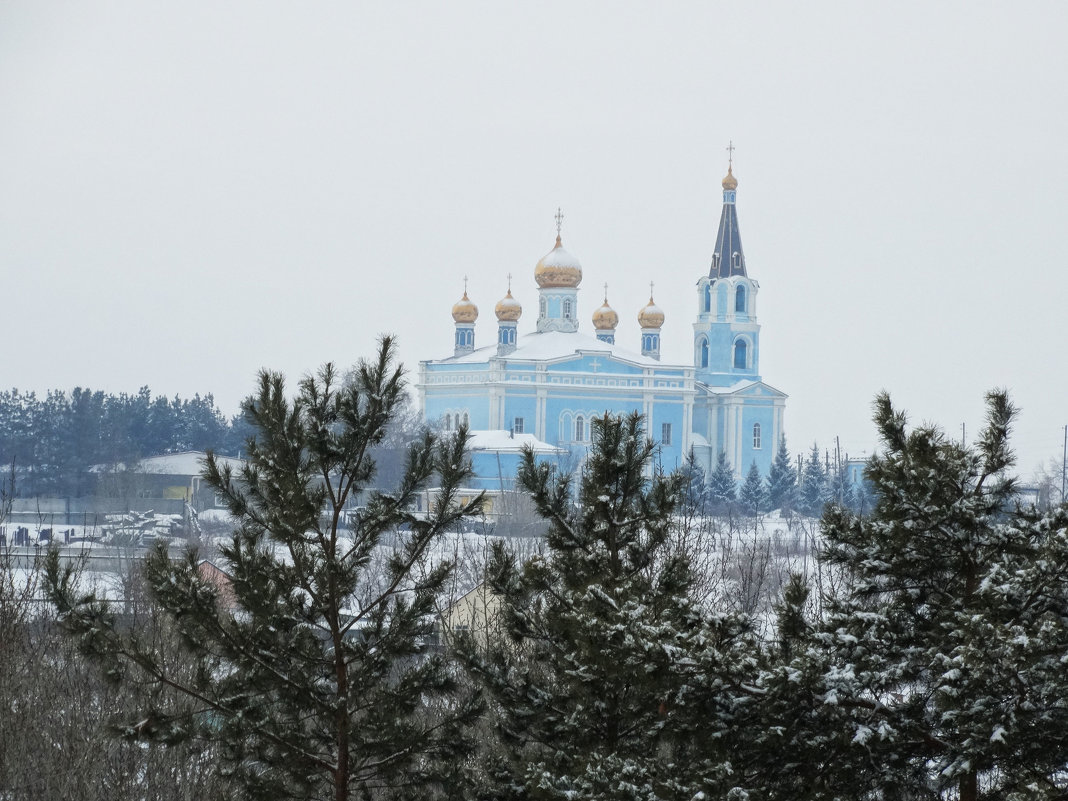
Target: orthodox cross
[[730, 150], [606, 293], [650, 291], [595, 364], [509, 283], [559, 220], [465, 285]]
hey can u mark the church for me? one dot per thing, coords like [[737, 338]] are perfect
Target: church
[[545, 386]]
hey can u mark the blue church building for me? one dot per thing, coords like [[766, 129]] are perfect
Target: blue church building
[[546, 385]]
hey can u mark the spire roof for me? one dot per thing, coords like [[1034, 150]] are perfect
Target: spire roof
[[728, 258]]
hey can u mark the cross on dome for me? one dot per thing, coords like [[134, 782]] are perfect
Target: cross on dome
[[730, 156], [559, 221]]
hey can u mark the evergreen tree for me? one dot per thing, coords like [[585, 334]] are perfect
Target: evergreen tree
[[813, 484], [782, 480], [943, 664], [695, 488], [310, 666], [606, 689], [753, 495], [722, 486]]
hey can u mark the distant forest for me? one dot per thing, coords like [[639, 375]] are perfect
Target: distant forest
[[53, 440]]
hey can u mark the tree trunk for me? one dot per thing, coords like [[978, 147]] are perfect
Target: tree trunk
[[969, 786]]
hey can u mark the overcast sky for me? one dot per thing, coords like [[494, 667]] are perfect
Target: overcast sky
[[192, 191]]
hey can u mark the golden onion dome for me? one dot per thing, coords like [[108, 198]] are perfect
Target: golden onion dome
[[465, 311], [729, 181], [652, 316], [508, 308], [605, 318], [558, 268]]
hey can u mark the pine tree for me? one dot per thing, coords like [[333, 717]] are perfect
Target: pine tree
[[310, 668], [722, 486], [695, 492], [612, 684], [753, 496], [813, 484], [944, 661], [782, 480]]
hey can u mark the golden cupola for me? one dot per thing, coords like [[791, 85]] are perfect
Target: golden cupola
[[730, 183], [605, 317], [508, 308], [651, 316], [558, 268], [465, 311]]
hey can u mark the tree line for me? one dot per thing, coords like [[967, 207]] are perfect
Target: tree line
[[804, 487], [54, 440], [919, 657]]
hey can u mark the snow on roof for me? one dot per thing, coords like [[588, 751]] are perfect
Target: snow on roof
[[549, 345], [505, 441], [187, 463]]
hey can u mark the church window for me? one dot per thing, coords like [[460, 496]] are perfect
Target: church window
[[756, 436], [467, 420], [739, 299], [740, 348], [567, 308], [737, 260], [448, 422], [580, 429], [456, 419], [708, 297], [703, 353], [541, 306], [665, 434], [517, 425]]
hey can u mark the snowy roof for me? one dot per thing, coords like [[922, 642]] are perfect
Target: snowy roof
[[505, 441], [187, 463], [739, 386], [551, 345]]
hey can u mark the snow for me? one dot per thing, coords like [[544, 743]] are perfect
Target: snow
[[550, 345], [497, 440]]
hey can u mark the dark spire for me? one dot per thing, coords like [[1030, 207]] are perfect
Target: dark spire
[[728, 258]]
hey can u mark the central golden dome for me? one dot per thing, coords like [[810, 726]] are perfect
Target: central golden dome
[[558, 268], [508, 308], [651, 316], [465, 311]]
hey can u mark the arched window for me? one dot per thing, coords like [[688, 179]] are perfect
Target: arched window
[[467, 420], [756, 436], [740, 348], [541, 306], [456, 418], [703, 353], [739, 299], [737, 260], [580, 429], [567, 308], [708, 297], [448, 422]]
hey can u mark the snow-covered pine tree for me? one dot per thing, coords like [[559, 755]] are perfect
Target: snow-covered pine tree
[[753, 495], [813, 493], [310, 667], [722, 486], [946, 657], [612, 683], [782, 480]]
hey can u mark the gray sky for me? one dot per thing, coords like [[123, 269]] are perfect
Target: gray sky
[[191, 191]]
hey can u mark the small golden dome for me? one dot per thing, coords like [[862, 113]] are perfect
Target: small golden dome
[[465, 311], [605, 318], [558, 268], [508, 308], [729, 181], [652, 316]]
